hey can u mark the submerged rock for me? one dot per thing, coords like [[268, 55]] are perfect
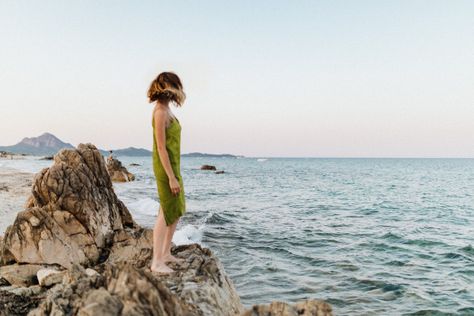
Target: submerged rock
[[117, 172], [303, 308]]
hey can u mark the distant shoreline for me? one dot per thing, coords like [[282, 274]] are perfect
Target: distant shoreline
[[145, 153]]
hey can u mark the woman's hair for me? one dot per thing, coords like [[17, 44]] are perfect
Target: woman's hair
[[165, 88]]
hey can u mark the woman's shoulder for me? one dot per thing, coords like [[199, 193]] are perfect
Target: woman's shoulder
[[162, 116]]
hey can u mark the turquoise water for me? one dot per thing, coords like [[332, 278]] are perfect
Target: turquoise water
[[370, 236]]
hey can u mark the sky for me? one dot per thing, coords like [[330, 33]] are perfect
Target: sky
[[263, 78]]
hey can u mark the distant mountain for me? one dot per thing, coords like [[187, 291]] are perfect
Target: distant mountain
[[45, 144], [210, 155]]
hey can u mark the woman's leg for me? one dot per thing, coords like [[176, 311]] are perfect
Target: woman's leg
[[167, 243], [160, 231]]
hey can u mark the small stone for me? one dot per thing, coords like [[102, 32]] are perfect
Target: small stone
[[34, 221], [91, 272], [47, 277]]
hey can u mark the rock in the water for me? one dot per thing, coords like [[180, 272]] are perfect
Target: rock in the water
[[219, 172], [118, 173], [47, 277], [23, 275], [303, 308], [72, 216], [134, 164], [208, 167]]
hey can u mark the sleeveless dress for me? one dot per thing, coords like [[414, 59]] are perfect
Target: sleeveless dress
[[173, 206]]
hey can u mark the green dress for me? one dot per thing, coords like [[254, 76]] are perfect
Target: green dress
[[173, 206]]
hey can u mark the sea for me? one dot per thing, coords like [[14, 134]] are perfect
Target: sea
[[369, 236]]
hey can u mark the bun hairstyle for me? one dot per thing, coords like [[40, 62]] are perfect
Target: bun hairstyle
[[165, 88]]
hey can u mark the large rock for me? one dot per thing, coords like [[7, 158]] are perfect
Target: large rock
[[118, 173], [72, 215], [303, 308], [199, 279], [23, 275], [127, 287]]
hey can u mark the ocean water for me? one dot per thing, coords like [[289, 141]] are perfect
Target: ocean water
[[370, 236]]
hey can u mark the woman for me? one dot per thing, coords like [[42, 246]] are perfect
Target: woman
[[166, 89]]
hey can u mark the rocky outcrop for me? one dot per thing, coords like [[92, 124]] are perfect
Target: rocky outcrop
[[117, 172], [71, 216], [303, 308], [208, 167], [76, 250], [124, 286], [199, 287]]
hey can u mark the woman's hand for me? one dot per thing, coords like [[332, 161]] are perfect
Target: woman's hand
[[174, 186]]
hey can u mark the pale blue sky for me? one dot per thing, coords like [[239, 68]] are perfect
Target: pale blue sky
[[263, 78]]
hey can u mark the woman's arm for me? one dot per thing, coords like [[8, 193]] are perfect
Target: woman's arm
[[160, 135]]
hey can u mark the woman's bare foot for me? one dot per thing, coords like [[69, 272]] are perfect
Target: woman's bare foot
[[171, 258], [161, 268]]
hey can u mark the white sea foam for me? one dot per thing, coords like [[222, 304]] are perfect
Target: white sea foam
[[145, 206], [188, 234]]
